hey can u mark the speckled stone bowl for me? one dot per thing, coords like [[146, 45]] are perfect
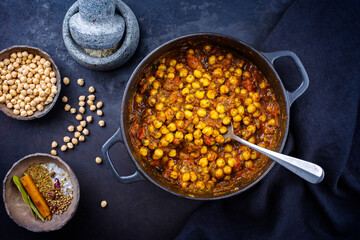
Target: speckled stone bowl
[[5, 53], [128, 43], [20, 212]]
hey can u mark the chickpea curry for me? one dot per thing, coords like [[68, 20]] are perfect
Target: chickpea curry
[[181, 108]]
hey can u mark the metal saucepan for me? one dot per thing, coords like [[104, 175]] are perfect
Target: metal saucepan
[[264, 62]]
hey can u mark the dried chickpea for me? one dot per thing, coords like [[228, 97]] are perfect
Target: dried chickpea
[[53, 152], [63, 148], [101, 123], [91, 97], [80, 82], [79, 128], [91, 89], [66, 80], [73, 110], [103, 204], [66, 139], [79, 117], [71, 128], [77, 134], [81, 110], [82, 138], [89, 119], [74, 141], [98, 160], [92, 108], [64, 99], [86, 132], [70, 145], [54, 144], [67, 107], [99, 104]]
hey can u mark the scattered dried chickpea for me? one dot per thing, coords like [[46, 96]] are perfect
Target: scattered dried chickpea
[[91, 97], [70, 145], [79, 128], [64, 99], [82, 138], [82, 98], [67, 107], [74, 141], [99, 104], [89, 119], [77, 134], [73, 110], [86, 132], [66, 139], [81, 103], [66, 80], [99, 112], [83, 123], [63, 148], [81, 110], [53, 152], [71, 128], [79, 117], [101, 123], [91, 89], [103, 204], [92, 108], [98, 160], [90, 102], [80, 82], [54, 144]]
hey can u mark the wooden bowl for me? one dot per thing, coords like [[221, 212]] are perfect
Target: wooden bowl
[[35, 51], [20, 212]]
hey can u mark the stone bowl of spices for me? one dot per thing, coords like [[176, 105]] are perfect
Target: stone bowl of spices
[[57, 184], [30, 82]]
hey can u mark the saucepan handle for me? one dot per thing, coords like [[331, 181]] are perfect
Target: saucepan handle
[[117, 137], [305, 79]]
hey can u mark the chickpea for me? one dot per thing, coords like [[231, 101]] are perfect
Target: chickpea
[[91, 97], [138, 99], [226, 120], [180, 124], [203, 162], [77, 134], [246, 120], [200, 185], [174, 175], [251, 128], [66, 139], [212, 60], [251, 108], [157, 124], [197, 133], [82, 98], [249, 164], [233, 80], [92, 107], [79, 117], [211, 94], [74, 141], [99, 112], [214, 114], [70, 145], [271, 122], [201, 112], [262, 118], [227, 170], [172, 153], [99, 104], [195, 85], [231, 162], [189, 137], [143, 151], [71, 128], [224, 89], [64, 99], [158, 153], [80, 82], [190, 78], [246, 155], [172, 127], [220, 162], [67, 107], [179, 115], [219, 173], [248, 101], [190, 98], [200, 125], [186, 177], [53, 152], [207, 131], [63, 148], [183, 72], [179, 135], [193, 176], [253, 155], [85, 132], [237, 118], [101, 123], [103, 204], [66, 80], [200, 94], [188, 114], [169, 137], [89, 119], [252, 140]]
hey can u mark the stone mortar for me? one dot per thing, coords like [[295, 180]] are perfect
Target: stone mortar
[[127, 47]]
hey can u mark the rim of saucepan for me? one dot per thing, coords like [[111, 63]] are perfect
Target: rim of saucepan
[[140, 65]]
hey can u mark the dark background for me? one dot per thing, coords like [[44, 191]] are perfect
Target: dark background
[[135, 211]]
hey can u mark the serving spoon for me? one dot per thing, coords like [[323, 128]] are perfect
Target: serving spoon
[[306, 170]]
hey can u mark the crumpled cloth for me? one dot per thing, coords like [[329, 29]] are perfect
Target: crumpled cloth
[[324, 129]]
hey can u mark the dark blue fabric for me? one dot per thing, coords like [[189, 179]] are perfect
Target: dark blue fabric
[[324, 129]]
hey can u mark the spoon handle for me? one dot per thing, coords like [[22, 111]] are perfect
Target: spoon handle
[[306, 170]]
